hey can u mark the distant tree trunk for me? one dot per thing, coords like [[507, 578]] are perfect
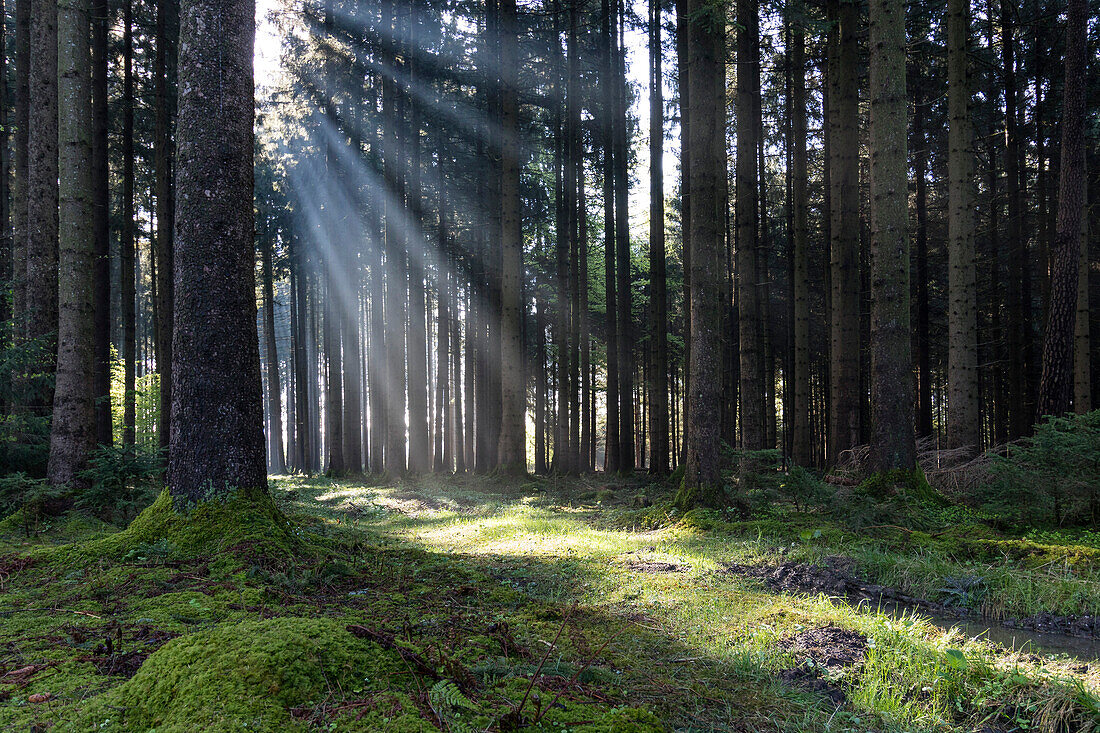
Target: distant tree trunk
[[456, 369], [923, 347], [625, 340], [73, 426], [683, 21], [1056, 386], [963, 405], [658, 289], [843, 120], [334, 380], [801, 440], [751, 386], [416, 347], [706, 79], [101, 225], [217, 442], [274, 387], [303, 433], [126, 239], [612, 456], [893, 445], [1017, 330], [42, 201]]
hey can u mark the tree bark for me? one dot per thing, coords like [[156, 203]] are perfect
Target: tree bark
[[101, 225], [706, 78], [126, 238], [963, 405], [843, 120], [73, 425], [42, 201], [274, 387], [893, 443], [750, 337], [801, 440], [217, 441], [1056, 385], [658, 286]]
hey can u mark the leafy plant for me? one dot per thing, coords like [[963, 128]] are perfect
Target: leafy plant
[[121, 481], [31, 497]]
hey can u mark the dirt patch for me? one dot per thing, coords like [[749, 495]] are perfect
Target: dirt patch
[[831, 647], [642, 566], [1086, 627], [834, 578], [824, 653]]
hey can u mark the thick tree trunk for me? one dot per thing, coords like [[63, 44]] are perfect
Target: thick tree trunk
[[217, 444], [963, 406], [73, 426], [1082, 339], [42, 202], [1056, 386], [922, 340], [845, 394], [706, 79], [893, 443]]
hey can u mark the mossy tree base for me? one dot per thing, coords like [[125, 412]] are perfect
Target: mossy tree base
[[247, 522]]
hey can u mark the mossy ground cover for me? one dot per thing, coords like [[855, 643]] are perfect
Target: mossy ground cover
[[485, 604]]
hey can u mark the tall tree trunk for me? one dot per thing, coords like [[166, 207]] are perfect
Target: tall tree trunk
[[612, 457], [920, 165], [844, 320], [274, 386], [217, 414], [801, 440], [127, 247], [73, 426], [42, 202], [625, 341], [21, 181], [165, 207], [1017, 329], [302, 432], [963, 406], [706, 79], [750, 337], [683, 21], [1056, 385], [658, 288], [416, 348], [101, 225], [893, 445]]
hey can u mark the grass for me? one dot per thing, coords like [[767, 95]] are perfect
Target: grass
[[557, 593]]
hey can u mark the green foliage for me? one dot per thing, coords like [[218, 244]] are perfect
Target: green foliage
[[146, 403], [121, 481], [24, 434], [27, 500], [1052, 477]]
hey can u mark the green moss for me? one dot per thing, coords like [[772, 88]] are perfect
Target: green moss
[[1030, 554], [247, 523], [900, 484], [251, 674], [690, 496]]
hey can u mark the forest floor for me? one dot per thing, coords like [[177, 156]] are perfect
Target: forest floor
[[550, 604]]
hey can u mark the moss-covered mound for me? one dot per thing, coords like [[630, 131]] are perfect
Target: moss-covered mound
[[255, 675], [246, 523]]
